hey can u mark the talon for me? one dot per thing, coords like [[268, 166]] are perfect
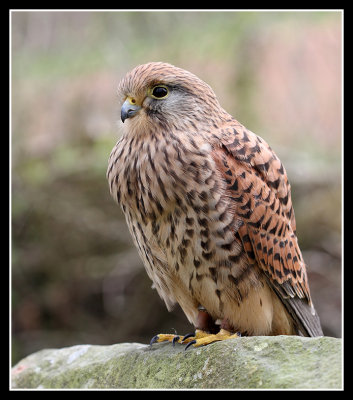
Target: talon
[[187, 336], [189, 344], [175, 339], [154, 340]]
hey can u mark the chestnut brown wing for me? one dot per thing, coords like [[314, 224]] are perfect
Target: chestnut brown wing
[[258, 187]]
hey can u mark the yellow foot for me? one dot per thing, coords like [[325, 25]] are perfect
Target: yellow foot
[[165, 337], [168, 337], [207, 338], [199, 338]]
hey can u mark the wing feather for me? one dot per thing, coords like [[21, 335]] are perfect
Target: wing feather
[[258, 184]]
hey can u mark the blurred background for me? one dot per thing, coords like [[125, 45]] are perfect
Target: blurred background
[[76, 277]]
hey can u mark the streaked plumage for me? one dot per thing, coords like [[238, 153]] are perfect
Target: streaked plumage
[[208, 205]]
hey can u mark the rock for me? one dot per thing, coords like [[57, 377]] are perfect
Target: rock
[[246, 362]]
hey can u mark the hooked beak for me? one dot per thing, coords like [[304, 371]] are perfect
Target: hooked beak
[[129, 109]]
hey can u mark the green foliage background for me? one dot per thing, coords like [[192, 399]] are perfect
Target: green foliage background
[[76, 277]]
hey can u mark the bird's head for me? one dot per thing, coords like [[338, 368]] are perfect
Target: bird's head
[[161, 95]]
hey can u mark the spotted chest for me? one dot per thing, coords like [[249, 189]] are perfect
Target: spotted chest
[[172, 197]]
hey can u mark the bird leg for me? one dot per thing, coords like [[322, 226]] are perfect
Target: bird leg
[[206, 332]]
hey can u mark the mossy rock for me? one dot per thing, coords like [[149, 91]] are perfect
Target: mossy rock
[[246, 362]]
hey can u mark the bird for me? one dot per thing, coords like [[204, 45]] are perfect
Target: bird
[[208, 205]]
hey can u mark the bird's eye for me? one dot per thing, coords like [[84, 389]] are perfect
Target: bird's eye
[[159, 92]]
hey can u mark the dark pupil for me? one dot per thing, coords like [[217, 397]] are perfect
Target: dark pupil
[[159, 91]]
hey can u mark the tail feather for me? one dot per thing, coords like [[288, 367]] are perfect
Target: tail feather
[[304, 314]]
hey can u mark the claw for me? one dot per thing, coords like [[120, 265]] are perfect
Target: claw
[[190, 344], [175, 339], [187, 336], [154, 340]]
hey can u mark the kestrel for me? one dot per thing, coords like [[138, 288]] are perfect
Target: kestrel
[[208, 205]]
